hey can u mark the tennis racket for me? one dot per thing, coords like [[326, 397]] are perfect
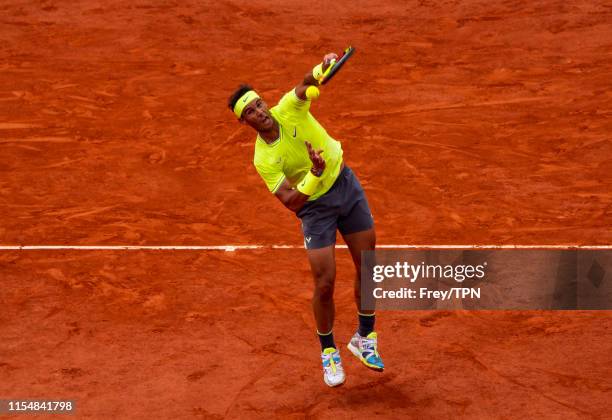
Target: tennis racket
[[336, 66]]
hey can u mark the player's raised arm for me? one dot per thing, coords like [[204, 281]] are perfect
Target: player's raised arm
[[312, 78]]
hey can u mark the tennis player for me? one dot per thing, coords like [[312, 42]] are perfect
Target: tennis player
[[302, 165]]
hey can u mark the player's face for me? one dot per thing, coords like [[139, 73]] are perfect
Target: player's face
[[257, 115]]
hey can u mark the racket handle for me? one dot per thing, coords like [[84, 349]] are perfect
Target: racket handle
[[332, 63]]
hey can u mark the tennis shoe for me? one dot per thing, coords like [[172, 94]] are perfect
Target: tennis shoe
[[333, 372], [366, 350]]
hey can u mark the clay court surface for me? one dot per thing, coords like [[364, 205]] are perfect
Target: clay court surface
[[467, 122]]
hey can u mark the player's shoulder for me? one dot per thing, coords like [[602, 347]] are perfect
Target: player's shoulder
[[291, 107], [292, 100]]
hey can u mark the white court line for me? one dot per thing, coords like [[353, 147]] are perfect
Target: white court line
[[231, 248]]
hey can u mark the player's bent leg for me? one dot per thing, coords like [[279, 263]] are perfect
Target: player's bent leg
[[357, 228], [364, 343]]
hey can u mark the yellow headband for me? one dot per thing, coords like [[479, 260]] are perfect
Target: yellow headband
[[244, 101]]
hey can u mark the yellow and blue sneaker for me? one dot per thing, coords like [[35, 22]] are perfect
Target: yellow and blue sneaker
[[333, 372], [366, 350]]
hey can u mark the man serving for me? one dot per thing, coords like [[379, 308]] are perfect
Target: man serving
[[302, 166]]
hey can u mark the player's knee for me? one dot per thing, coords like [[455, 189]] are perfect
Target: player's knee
[[324, 288], [324, 293], [323, 273]]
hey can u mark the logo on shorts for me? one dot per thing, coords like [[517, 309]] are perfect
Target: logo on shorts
[[294, 132], [307, 239]]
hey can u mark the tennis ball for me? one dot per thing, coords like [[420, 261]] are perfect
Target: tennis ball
[[312, 92]]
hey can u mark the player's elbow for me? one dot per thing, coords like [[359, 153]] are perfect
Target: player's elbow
[[294, 205], [294, 202], [291, 198]]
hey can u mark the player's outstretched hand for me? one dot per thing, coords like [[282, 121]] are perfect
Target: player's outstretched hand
[[318, 163]]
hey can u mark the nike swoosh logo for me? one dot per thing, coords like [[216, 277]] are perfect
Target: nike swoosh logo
[[308, 238], [245, 99], [294, 131]]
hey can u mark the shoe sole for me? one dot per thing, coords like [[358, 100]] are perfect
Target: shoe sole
[[333, 386], [356, 353]]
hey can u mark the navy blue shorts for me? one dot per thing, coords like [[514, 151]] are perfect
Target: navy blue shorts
[[344, 207]]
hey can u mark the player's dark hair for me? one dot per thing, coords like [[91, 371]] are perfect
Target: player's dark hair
[[242, 89]]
